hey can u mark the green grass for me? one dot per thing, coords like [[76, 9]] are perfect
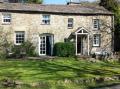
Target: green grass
[[55, 74]]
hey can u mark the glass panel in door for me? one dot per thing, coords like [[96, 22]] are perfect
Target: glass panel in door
[[43, 45]]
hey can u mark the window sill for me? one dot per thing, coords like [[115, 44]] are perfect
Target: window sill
[[6, 23], [96, 46], [70, 27], [45, 24], [96, 29], [17, 44]]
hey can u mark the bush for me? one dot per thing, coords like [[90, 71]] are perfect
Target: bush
[[3, 54], [28, 48], [64, 49], [25, 49]]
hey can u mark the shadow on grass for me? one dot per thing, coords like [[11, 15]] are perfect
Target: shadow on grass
[[105, 86], [51, 70]]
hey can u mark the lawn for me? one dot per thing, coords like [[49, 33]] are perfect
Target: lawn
[[60, 73]]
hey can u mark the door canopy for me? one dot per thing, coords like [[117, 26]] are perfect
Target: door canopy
[[81, 31]]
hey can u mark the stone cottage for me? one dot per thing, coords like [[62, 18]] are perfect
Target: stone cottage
[[89, 27]]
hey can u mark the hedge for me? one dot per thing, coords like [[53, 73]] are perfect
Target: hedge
[[64, 49]]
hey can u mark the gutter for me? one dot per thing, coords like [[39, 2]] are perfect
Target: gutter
[[48, 12]]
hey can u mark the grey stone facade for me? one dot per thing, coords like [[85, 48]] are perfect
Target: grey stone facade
[[31, 24]]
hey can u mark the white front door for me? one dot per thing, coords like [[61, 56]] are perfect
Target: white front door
[[42, 46]]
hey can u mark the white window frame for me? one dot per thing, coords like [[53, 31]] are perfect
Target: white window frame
[[70, 23], [6, 18], [22, 33], [46, 19], [96, 40], [96, 24], [42, 44]]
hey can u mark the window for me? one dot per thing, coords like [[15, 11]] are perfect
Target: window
[[70, 22], [20, 37], [6, 18], [46, 19], [96, 23], [96, 40]]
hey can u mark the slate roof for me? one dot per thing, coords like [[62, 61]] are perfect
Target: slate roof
[[63, 9]]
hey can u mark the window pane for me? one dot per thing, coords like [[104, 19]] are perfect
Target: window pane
[[70, 25], [70, 22], [43, 52], [46, 19], [96, 40], [19, 37], [6, 18], [96, 23]]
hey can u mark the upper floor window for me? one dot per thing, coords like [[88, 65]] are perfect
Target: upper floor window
[[96, 40], [70, 22], [96, 24], [6, 18], [46, 19], [20, 37]]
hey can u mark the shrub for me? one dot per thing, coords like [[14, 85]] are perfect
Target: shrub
[[25, 49], [64, 49], [3, 54], [16, 50], [93, 55], [28, 48]]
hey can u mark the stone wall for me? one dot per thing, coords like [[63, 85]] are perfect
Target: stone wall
[[32, 25]]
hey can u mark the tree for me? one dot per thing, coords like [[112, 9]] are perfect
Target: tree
[[35, 1], [113, 6], [5, 43]]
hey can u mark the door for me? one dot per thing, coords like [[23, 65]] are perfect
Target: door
[[46, 45], [42, 45], [79, 45]]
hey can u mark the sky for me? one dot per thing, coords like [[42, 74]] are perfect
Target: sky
[[59, 1]]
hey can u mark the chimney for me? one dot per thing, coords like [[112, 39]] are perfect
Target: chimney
[[73, 2]]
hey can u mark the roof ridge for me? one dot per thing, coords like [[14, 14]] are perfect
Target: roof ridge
[[74, 9]]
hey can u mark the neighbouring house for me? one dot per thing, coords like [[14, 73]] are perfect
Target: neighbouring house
[[89, 27]]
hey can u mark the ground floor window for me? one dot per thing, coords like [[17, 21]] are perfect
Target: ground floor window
[[19, 37], [96, 40]]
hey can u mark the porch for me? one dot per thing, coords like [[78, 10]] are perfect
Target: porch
[[82, 42]]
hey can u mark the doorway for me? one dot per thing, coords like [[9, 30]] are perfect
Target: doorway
[[82, 41], [82, 45], [79, 45], [46, 45]]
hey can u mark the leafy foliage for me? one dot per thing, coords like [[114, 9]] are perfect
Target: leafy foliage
[[5, 44], [64, 49], [34, 1], [25, 49], [28, 48], [113, 6]]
